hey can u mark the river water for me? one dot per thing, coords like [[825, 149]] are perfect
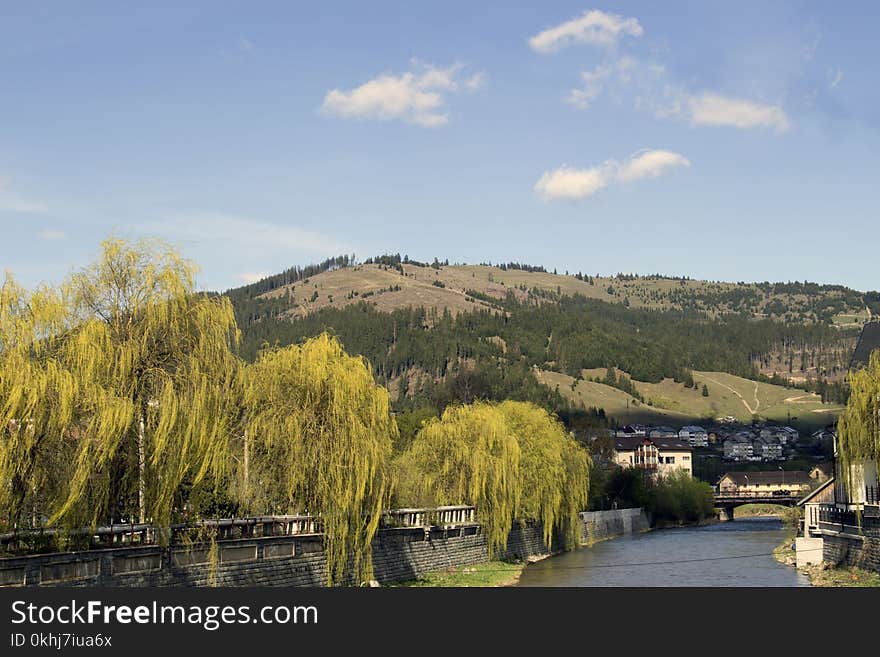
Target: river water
[[737, 553]]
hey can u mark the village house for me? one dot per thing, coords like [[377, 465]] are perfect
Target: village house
[[766, 483], [662, 432], [768, 449], [822, 472], [693, 435], [658, 457], [631, 430], [823, 438], [848, 525], [738, 447]]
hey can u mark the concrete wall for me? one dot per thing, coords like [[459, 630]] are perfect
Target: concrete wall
[[599, 525], [809, 551], [853, 550], [399, 554]]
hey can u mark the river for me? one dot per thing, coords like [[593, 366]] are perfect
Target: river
[[737, 553]]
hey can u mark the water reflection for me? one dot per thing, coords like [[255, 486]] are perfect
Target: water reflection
[[726, 554]]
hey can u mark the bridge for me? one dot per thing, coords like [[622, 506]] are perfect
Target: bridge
[[727, 501]]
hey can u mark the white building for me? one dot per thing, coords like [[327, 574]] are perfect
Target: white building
[[657, 457], [738, 448], [695, 436]]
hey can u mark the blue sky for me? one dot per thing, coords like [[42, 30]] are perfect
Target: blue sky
[[728, 141]]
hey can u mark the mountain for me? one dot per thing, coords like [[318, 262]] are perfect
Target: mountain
[[438, 333], [389, 282]]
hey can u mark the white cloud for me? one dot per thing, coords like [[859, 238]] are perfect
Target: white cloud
[[592, 27], [240, 234], [571, 183], [567, 182], [716, 110], [594, 83], [617, 73], [51, 234], [646, 84], [835, 80], [476, 81], [10, 201], [245, 45], [417, 96], [650, 164], [249, 277]]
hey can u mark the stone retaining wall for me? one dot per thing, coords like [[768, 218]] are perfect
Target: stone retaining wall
[[853, 550], [599, 525], [398, 555]]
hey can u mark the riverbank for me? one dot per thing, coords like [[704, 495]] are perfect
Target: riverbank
[[826, 574], [760, 511], [489, 574]]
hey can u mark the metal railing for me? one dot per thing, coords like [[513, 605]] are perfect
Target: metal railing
[[831, 514], [749, 492], [134, 534]]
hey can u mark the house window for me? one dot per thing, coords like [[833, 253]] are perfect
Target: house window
[[685, 458], [670, 459]]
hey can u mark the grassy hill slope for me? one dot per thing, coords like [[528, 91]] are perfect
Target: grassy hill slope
[[402, 285], [673, 403]]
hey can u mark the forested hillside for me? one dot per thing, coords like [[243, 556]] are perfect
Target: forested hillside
[[457, 332]]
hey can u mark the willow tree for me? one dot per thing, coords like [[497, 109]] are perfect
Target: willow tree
[[155, 381], [319, 441], [858, 428], [577, 487], [553, 472], [38, 400], [467, 456]]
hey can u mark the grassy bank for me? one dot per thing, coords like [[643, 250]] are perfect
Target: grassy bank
[[491, 573], [759, 510], [842, 576], [827, 575]]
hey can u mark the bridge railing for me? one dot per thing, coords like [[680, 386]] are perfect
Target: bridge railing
[[741, 492], [133, 534]]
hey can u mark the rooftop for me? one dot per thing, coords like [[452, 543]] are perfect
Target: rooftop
[[631, 443], [768, 477], [868, 342]]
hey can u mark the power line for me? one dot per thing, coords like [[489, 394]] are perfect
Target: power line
[[648, 563]]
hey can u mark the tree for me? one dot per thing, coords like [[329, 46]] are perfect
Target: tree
[[858, 428], [322, 435], [37, 404], [467, 456], [511, 461], [140, 382], [553, 474]]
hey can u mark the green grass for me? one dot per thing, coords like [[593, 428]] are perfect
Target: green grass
[[843, 576], [673, 403], [756, 510], [492, 573]]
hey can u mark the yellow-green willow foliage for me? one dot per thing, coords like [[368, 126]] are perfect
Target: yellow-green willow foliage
[[553, 471], [159, 380], [130, 372], [858, 429], [468, 456], [38, 399], [511, 461], [319, 441]]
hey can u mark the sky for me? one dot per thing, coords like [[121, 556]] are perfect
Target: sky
[[718, 140]]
